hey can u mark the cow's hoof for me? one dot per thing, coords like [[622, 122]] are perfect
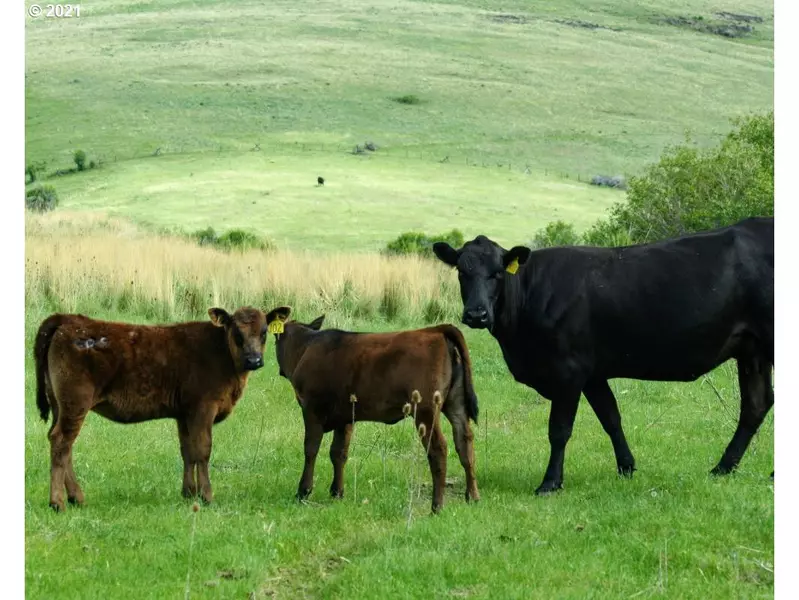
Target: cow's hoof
[[548, 487], [302, 494], [57, 506], [188, 492], [721, 470], [436, 509], [473, 497], [75, 500], [772, 474], [336, 493], [626, 470]]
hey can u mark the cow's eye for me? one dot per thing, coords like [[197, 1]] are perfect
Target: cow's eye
[[237, 337], [263, 334]]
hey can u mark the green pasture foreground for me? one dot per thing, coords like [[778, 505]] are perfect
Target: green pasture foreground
[[672, 531]]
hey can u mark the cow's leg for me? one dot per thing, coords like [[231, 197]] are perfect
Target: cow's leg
[[313, 439], [757, 398], [62, 436], [189, 480], [436, 458], [74, 493], [602, 400], [561, 422], [339, 450], [464, 444]]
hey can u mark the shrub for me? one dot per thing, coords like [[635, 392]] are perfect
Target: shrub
[[41, 198], [80, 159], [33, 169], [235, 239], [691, 189], [421, 244], [556, 233]]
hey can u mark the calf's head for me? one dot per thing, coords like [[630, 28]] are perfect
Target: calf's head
[[245, 331], [482, 267], [290, 346]]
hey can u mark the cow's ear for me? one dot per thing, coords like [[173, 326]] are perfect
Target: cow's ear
[[219, 317], [316, 324], [446, 253], [514, 257]]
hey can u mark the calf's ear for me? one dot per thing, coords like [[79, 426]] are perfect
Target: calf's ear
[[316, 324], [281, 313], [275, 319], [219, 317], [514, 257], [446, 253]]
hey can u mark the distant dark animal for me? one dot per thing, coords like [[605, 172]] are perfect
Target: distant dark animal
[[320, 180], [194, 373], [383, 374], [575, 317]]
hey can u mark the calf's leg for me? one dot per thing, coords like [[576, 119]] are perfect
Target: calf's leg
[[436, 458], [602, 400], [561, 422], [62, 437], [464, 444], [194, 431], [339, 451], [313, 439], [757, 398], [189, 489]]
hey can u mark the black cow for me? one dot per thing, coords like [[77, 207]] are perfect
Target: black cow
[[574, 317]]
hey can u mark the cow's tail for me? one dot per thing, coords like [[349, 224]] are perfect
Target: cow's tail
[[455, 336], [41, 347]]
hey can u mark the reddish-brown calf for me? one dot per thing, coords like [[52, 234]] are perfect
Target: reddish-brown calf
[[191, 372], [382, 371]]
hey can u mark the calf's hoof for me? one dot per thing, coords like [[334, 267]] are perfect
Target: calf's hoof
[[189, 492], [336, 492], [626, 470], [473, 496], [303, 493], [436, 508], [76, 500], [548, 487], [207, 498], [57, 506]]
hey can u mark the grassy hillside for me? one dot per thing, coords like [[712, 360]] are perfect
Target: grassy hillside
[[514, 96]]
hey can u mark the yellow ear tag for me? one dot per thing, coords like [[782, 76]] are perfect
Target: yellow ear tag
[[275, 326], [513, 266]]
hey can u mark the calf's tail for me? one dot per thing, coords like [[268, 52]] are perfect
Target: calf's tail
[[454, 335], [41, 347]]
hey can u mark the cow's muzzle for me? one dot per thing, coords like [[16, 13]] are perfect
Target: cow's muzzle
[[251, 363], [476, 318]]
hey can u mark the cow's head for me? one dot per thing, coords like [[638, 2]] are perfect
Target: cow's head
[[289, 347], [482, 267], [246, 331]]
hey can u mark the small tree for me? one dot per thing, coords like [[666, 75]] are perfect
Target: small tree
[[33, 169], [80, 159]]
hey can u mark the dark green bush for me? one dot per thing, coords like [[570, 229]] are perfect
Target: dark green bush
[[41, 198], [556, 233], [80, 159], [407, 99], [692, 189], [421, 244], [235, 239]]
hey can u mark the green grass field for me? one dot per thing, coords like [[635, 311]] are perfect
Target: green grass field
[[517, 110]]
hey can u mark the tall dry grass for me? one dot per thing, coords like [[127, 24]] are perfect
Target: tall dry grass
[[97, 265]]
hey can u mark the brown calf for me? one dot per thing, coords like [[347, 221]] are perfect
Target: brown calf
[[191, 372], [381, 371]]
